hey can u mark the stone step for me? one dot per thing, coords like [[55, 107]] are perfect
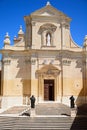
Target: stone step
[[40, 123], [34, 123]]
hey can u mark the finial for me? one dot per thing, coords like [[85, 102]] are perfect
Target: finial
[[20, 26], [15, 37], [6, 34], [85, 41], [7, 39], [85, 37], [20, 31], [48, 3]]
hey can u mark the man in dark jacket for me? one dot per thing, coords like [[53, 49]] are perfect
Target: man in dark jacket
[[72, 104], [32, 98]]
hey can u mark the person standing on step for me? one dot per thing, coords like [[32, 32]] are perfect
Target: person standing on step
[[72, 104], [32, 98]]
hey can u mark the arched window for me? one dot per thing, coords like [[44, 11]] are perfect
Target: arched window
[[48, 39]]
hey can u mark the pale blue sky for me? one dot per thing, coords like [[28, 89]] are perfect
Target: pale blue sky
[[12, 14]]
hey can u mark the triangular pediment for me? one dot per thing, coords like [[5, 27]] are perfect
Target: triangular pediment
[[49, 10], [47, 13]]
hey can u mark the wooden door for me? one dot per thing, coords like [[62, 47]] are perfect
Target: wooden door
[[46, 91]]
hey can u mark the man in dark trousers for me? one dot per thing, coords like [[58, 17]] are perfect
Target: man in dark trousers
[[72, 104], [32, 98]]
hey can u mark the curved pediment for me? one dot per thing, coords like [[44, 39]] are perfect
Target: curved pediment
[[48, 70]]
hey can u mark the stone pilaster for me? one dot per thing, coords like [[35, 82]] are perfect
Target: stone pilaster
[[28, 36], [85, 67], [5, 77], [33, 77], [62, 35]]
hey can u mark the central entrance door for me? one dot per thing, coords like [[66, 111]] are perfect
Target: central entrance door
[[49, 90]]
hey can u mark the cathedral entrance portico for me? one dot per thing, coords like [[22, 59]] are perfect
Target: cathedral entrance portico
[[48, 83]]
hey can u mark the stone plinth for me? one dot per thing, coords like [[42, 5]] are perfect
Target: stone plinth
[[32, 112], [73, 112]]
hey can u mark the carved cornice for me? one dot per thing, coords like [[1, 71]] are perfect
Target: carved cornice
[[6, 61], [66, 62]]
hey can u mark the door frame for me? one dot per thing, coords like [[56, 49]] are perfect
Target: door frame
[[49, 72]]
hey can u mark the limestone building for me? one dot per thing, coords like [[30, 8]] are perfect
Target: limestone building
[[44, 62]]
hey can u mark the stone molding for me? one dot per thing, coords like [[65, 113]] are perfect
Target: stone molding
[[66, 62], [30, 61]]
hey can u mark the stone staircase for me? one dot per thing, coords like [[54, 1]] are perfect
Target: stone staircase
[[49, 116]]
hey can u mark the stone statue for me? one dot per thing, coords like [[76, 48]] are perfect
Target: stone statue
[[32, 98], [48, 39]]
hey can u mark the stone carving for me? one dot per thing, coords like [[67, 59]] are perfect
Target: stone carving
[[47, 26], [48, 70]]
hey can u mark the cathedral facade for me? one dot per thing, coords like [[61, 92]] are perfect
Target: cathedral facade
[[44, 62]]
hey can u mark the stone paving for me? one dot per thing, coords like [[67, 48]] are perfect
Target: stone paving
[[52, 109]]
